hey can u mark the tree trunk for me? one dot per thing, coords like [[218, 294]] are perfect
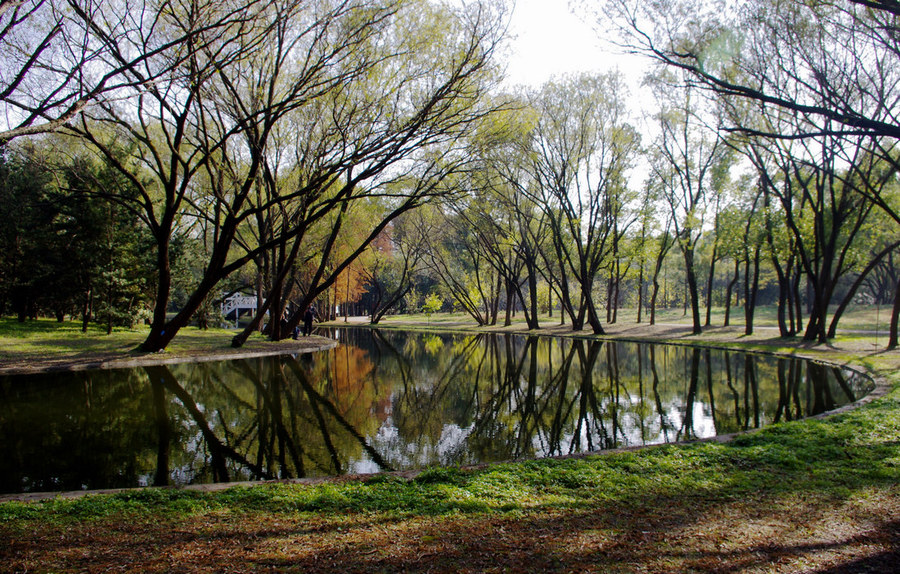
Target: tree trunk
[[895, 320], [730, 290], [693, 292], [86, 309], [660, 259], [158, 337], [640, 303], [510, 301], [751, 288], [534, 322], [609, 296], [798, 301], [815, 327], [594, 319], [616, 286], [832, 328], [709, 283]]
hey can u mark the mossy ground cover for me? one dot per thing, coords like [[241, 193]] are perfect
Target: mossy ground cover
[[819, 495]]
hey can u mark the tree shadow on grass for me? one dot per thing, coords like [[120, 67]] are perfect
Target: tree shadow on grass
[[702, 532]]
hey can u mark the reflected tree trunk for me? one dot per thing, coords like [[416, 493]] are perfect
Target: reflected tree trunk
[[616, 382], [164, 434], [560, 385], [817, 381], [587, 397], [709, 390], [665, 424], [329, 407], [274, 411], [220, 453], [783, 397], [751, 393], [687, 431], [529, 424], [730, 377], [842, 382]]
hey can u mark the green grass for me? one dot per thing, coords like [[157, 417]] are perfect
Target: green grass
[[47, 339]]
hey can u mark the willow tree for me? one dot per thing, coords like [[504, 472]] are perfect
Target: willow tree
[[815, 182], [685, 157], [202, 137], [198, 134], [459, 258], [832, 64], [579, 154], [390, 140], [510, 224], [61, 56], [393, 262]]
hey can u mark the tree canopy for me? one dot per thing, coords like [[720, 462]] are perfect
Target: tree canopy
[[161, 156]]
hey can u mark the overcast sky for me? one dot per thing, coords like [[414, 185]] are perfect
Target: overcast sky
[[547, 40]]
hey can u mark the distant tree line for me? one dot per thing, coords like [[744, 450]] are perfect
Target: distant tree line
[[345, 154]]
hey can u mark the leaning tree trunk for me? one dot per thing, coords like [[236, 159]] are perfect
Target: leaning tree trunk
[[832, 328]]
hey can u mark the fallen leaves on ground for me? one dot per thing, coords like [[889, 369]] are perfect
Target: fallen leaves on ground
[[809, 534]]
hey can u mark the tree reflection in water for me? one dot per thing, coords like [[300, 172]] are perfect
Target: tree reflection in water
[[389, 400]]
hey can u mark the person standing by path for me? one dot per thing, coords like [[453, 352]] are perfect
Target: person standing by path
[[308, 317]]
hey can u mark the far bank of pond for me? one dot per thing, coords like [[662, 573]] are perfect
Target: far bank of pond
[[391, 400]]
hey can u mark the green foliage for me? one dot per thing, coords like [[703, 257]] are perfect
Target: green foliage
[[433, 304], [67, 250], [438, 474]]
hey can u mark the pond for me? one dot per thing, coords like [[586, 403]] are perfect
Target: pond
[[390, 400]]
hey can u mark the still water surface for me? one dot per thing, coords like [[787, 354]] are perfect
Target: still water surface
[[389, 400]]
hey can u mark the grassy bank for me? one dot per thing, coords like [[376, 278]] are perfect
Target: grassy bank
[[46, 343], [817, 495]]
